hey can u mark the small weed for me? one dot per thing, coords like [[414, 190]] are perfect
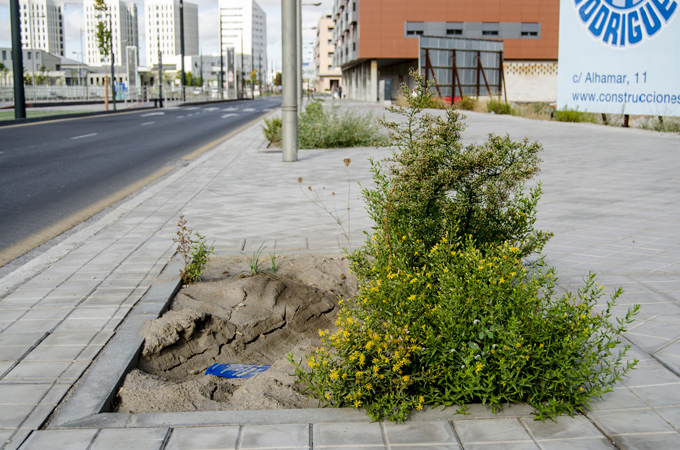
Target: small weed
[[194, 252], [573, 115], [316, 199], [254, 262], [466, 103], [272, 258], [272, 130], [498, 107], [667, 124]]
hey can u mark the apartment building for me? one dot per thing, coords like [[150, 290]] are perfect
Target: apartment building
[[243, 27], [42, 25], [379, 39], [124, 31], [163, 29], [327, 75]]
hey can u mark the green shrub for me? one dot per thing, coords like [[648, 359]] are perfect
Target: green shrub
[[328, 128], [449, 312], [466, 103], [573, 115], [272, 130], [499, 107]]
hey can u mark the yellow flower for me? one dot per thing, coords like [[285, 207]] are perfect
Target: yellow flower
[[357, 403], [412, 297], [334, 375], [446, 270], [406, 378], [518, 345]]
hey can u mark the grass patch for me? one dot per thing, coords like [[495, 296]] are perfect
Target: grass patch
[[328, 128]]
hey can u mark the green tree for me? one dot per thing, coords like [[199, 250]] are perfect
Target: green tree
[[277, 79], [103, 33], [4, 70]]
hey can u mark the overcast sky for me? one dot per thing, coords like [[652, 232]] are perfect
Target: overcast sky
[[208, 26]]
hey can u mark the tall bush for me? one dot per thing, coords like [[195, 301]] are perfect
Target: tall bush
[[450, 311]]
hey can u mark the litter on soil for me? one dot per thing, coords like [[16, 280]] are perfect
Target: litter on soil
[[235, 317]]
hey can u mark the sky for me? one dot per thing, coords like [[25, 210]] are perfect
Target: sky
[[207, 20]]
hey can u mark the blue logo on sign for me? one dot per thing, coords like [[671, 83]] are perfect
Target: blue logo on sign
[[625, 23]]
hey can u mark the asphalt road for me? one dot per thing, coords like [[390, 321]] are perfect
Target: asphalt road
[[53, 171]]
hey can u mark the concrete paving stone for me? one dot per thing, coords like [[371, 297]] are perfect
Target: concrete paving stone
[[658, 396], [137, 438], [347, 434], [55, 394], [490, 430], [14, 303], [13, 352], [511, 445], [650, 375], [28, 394], [37, 370], [89, 353], [5, 366], [670, 440], [641, 421], [104, 312], [47, 314], [566, 427], [59, 439], [101, 338], [25, 293], [76, 338], [206, 438], [601, 443], [425, 433], [275, 436], [91, 324], [31, 326], [17, 439], [37, 418], [74, 371], [58, 302], [5, 435], [11, 416], [671, 415], [12, 314]]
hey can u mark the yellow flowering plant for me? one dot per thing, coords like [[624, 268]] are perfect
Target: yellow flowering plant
[[450, 310]]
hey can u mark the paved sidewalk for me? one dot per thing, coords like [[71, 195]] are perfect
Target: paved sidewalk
[[611, 196]]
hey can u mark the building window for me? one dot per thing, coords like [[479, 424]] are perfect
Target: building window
[[490, 29], [530, 30], [415, 28], [454, 32]]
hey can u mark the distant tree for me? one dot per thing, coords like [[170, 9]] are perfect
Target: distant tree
[[277, 79], [4, 70], [103, 33]]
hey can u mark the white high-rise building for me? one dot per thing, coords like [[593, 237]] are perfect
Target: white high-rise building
[[243, 27], [42, 25], [163, 26], [125, 31]]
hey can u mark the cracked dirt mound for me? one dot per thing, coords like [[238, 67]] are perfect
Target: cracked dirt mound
[[235, 317]]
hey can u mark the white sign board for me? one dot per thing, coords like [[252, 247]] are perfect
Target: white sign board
[[620, 56]]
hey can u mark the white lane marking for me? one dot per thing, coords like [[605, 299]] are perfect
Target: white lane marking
[[190, 108], [153, 114], [148, 123], [249, 110], [228, 115], [230, 109], [84, 136], [268, 109], [210, 109], [180, 117]]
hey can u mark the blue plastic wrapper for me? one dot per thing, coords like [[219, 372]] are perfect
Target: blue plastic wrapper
[[236, 370]]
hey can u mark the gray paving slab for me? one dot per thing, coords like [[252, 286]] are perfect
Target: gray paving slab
[[610, 196], [60, 440]]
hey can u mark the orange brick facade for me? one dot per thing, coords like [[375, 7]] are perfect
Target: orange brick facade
[[381, 24]]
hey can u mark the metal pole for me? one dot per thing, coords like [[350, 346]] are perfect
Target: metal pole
[[298, 37], [289, 104], [181, 43], [160, 73], [252, 67], [221, 77], [243, 85], [113, 61], [17, 62]]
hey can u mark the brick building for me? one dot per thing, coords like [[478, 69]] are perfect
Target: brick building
[[378, 39]]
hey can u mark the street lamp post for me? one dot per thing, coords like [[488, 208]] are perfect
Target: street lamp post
[[181, 43], [289, 104], [17, 62]]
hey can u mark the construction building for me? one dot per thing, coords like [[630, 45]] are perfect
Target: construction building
[[378, 40], [327, 75]]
